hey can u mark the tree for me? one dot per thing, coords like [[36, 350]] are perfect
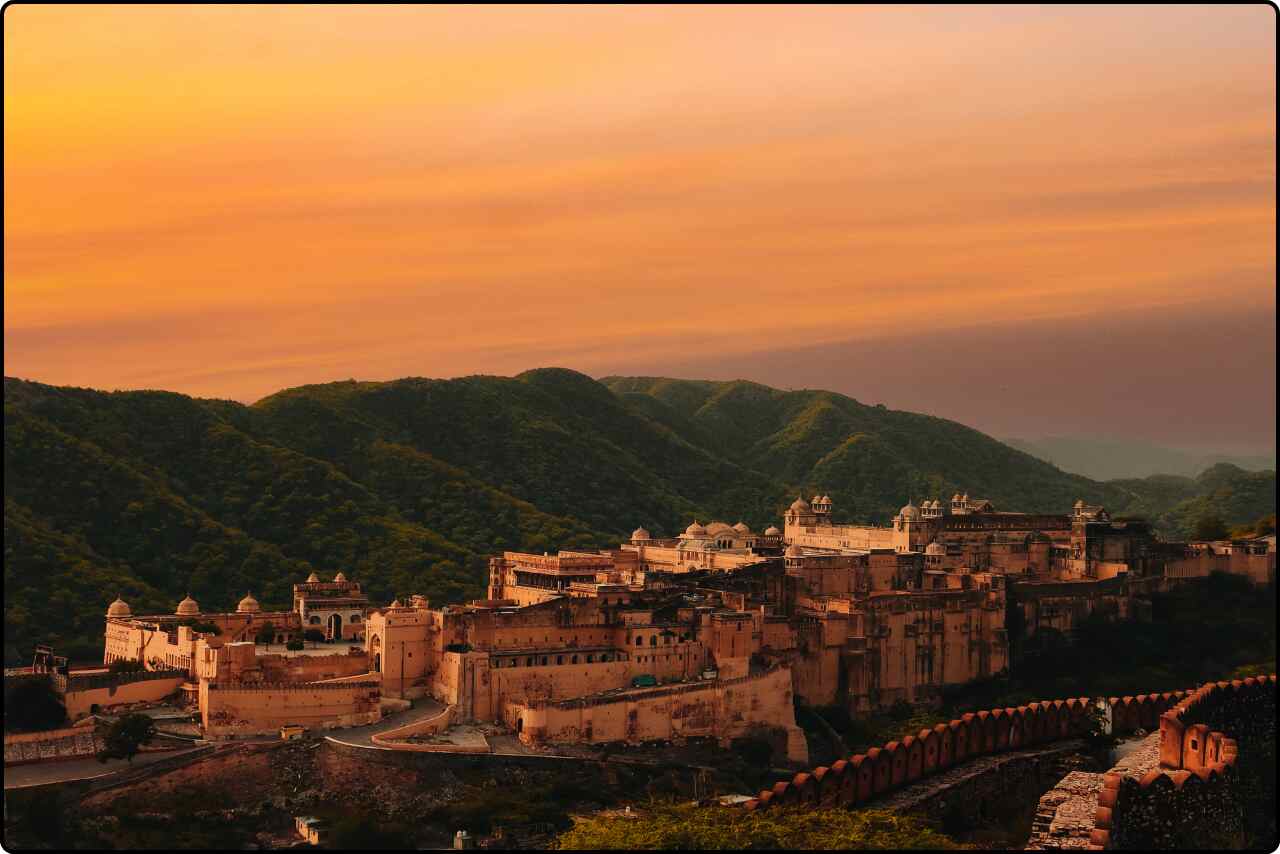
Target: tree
[[293, 645], [125, 736], [266, 634], [1210, 527], [314, 635], [33, 704]]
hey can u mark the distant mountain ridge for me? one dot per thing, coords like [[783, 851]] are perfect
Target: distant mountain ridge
[[409, 485], [1113, 459]]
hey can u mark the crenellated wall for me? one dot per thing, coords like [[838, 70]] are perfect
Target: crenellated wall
[[867, 776], [1192, 797]]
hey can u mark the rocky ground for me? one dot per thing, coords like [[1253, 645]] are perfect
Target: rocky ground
[[249, 797]]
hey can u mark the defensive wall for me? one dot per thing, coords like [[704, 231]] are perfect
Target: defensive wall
[[1194, 796], [260, 708], [871, 776], [69, 743], [84, 694], [722, 709]]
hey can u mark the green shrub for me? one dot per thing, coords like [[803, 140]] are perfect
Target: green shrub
[[693, 828]]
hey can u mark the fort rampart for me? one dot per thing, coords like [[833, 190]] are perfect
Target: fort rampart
[[231, 709], [1193, 797], [869, 776], [69, 743]]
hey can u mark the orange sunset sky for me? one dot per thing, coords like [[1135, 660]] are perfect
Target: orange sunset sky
[[1038, 221]]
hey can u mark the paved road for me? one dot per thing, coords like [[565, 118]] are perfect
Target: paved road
[[41, 773], [424, 707]]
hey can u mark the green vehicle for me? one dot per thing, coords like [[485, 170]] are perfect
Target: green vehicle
[[645, 681]]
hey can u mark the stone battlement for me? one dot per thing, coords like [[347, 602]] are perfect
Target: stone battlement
[[867, 776], [1192, 791]]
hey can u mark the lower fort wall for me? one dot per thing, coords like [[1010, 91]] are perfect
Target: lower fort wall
[[86, 695], [68, 743], [722, 709], [231, 709]]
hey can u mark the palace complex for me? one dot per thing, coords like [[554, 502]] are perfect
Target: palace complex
[[712, 633]]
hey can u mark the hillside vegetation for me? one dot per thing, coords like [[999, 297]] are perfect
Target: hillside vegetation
[[409, 485]]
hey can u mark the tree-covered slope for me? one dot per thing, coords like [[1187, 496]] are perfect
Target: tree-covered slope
[[410, 485]]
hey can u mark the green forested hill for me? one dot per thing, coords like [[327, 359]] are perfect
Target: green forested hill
[[409, 485]]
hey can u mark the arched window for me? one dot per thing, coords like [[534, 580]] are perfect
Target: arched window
[[559, 659], [529, 662], [653, 640], [573, 660], [590, 658], [639, 641], [544, 659], [315, 621]]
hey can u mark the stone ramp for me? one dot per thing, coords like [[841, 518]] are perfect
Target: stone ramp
[[1065, 816]]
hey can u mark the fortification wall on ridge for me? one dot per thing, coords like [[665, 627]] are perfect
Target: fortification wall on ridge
[[865, 777], [1193, 796]]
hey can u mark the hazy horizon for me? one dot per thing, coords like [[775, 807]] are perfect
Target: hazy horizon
[[1037, 221]]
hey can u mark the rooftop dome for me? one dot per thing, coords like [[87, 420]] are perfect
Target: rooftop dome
[[772, 531], [695, 530], [826, 499], [188, 608], [794, 550], [1079, 505], [119, 608], [800, 506], [817, 499], [717, 527], [395, 603], [955, 497], [312, 578], [339, 577], [935, 549], [910, 511], [248, 605], [639, 534], [742, 528]]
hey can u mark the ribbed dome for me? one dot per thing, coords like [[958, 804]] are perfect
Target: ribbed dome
[[248, 605], [188, 608], [639, 534], [817, 499], [119, 608], [339, 577], [910, 511], [742, 528], [799, 506], [695, 530], [312, 578], [826, 499], [717, 527], [772, 531]]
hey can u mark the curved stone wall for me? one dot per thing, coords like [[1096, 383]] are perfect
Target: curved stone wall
[[1193, 790], [866, 776]]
